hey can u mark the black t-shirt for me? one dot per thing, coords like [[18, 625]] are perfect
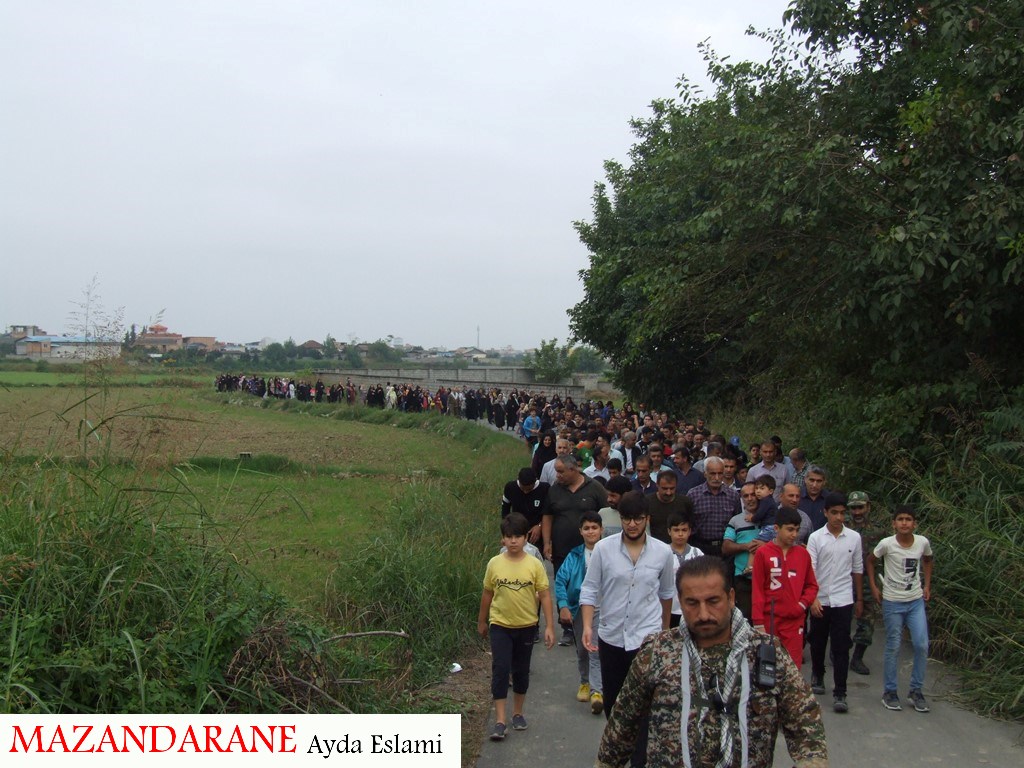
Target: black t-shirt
[[530, 505]]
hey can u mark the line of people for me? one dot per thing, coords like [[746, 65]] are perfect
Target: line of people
[[689, 554]]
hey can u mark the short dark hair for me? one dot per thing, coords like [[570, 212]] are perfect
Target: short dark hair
[[705, 565], [787, 516], [633, 504], [514, 524], [527, 476], [619, 483], [905, 509], [835, 499], [590, 516], [614, 463], [679, 517], [767, 481], [668, 476]]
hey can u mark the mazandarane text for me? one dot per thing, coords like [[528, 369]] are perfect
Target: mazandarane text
[[153, 738]]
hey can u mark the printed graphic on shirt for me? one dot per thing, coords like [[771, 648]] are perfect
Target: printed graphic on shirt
[[907, 580], [513, 584]]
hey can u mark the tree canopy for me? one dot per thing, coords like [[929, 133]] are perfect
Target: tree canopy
[[854, 203]]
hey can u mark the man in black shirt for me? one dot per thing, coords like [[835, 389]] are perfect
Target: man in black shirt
[[529, 498]]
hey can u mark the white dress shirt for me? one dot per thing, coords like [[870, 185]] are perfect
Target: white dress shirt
[[835, 559], [628, 593]]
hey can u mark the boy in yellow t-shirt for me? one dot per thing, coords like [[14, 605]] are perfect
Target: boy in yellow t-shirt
[[513, 583]]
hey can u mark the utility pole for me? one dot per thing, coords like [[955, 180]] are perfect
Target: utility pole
[[478, 337]]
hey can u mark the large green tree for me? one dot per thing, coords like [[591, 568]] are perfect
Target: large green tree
[[853, 203]]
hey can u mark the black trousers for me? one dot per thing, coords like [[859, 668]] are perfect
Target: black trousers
[[615, 663], [511, 650], [834, 627]]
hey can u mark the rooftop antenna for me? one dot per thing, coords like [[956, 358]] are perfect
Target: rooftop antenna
[[478, 337]]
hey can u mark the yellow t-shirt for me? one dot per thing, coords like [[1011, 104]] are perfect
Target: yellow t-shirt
[[515, 584]]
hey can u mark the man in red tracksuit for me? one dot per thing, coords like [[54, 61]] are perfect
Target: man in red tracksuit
[[783, 576]]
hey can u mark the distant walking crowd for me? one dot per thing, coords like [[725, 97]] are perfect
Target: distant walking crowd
[[689, 574], [506, 410]]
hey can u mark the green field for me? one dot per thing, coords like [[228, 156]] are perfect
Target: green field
[[32, 378], [150, 536]]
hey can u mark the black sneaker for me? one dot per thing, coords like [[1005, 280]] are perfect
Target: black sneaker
[[817, 684], [919, 702], [519, 723], [498, 732], [891, 700], [566, 638], [858, 666], [839, 703]]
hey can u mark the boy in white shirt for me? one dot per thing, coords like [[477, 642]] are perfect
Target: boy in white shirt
[[906, 586]]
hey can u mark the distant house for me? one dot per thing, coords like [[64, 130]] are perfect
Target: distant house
[[470, 353], [16, 332], [159, 338], [313, 345], [201, 343], [67, 348]]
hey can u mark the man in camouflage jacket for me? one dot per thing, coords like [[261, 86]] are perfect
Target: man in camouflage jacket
[[730, 722]]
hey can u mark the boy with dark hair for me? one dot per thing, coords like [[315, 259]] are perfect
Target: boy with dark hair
[[838, 564], [906, 586], [680, 526], [513, 582], [783, 585], [764, 516], [567, 596]]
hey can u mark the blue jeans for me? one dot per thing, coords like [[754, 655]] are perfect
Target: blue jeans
[[912, 616]]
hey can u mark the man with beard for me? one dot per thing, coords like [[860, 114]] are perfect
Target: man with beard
[[697, 687], [663, 503], [630, 579]]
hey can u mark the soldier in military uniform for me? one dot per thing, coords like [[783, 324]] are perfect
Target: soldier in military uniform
[[859, 504], [720, 717]]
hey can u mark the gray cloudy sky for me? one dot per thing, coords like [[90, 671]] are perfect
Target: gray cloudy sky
[[255, 168]]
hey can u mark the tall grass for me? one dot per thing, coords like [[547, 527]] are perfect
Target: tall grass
[[421, 573], [112, 600], [972, 505], [114, 595]]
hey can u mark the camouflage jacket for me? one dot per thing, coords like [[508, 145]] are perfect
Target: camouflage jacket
[[653, 688]]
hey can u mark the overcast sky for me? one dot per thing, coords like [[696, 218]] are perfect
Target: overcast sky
[[283, 169]]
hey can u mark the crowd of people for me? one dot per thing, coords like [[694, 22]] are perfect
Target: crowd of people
[[690, 572], [504, 409]]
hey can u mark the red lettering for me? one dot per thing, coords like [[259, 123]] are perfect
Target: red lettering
[[258, 733], [190, 738], [153, 738], [212, 734], [140, 740], [58, 735], [236, 738], [108, 739], [36, 738], [285, 738], [81, 741]]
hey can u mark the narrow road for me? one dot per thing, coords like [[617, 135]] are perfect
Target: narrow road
[[564, 734]]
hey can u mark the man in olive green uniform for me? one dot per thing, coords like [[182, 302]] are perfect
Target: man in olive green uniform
[[859, 504], [721, 718]]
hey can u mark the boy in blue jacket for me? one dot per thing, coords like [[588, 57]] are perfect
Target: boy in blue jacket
[[567, 595]]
